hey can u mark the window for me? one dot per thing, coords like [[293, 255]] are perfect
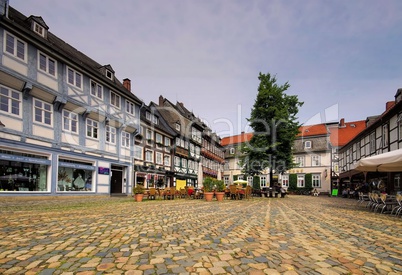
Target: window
[[159, 140], [315, 160], [159, 158], [10, 101], [307, 144], [226, 166], [285, 180], [400, 126], [263, 181], [300, 161], [184, 163], [385, 135], [177, 126], [72, 179], [15, 47], [358, 150], [47, 64], [190, 164], [226, 180], [149, 156], [316, 180], [39, 29], [74, 78], [232, 151], [109, 74], [151, 117], [167, 143], [149, 136], [110, 134], [372, 142], [70, 121], [397, 182], [300, 180], [96, 89], [138, 152], [92, 128], [177, 161], [250, 180], [125, 139], [12, 172], [195, 134], [155, 119], [130, 109], [115, 100], [166, 160], [42, 112]]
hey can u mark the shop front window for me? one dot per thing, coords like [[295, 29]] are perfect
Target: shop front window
[[23, 172], [75, 176]]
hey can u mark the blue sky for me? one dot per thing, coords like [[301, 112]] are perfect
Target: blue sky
[[341, 58]]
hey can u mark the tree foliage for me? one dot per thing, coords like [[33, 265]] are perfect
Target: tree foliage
[[275, 126]]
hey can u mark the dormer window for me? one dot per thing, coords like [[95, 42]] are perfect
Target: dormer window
[[177, 126], [109, 74], [39, 29], [38, 25], [151, 117], [307, 144]]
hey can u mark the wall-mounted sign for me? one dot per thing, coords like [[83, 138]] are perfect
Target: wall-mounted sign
[[103, 171]]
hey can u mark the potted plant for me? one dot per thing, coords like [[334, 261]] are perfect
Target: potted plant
[[138, 192], [208, 185], [220, 190]]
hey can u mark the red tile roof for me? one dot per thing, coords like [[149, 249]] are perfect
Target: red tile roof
[[313, 130], [243, 137], [342, 135], [339, 135]]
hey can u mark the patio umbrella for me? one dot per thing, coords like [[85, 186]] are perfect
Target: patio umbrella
[[240, 181], [386, 162]]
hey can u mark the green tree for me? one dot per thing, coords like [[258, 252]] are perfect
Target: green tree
[[275, 126]]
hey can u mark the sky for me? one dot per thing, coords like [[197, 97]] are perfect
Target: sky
[[341, 58]]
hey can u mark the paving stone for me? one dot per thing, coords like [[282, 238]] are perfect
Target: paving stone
[[298, 234]]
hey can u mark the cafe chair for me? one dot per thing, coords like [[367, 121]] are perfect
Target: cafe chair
[[152, 193], [233, 192]]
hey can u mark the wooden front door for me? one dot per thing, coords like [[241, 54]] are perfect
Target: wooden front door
[[116, 180]]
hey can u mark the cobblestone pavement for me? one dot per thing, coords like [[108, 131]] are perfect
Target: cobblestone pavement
[[103, 235]]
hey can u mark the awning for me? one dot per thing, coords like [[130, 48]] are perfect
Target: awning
[[386, 162]]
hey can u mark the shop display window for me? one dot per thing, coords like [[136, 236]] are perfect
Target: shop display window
[[22, 176], [74, 176]]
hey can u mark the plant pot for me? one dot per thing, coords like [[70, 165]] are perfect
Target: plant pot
[[208, 196], [219, 196], [138, 197]]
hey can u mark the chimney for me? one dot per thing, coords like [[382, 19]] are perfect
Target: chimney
[[4, 7], [342, 123], [127, 84], [161, 99], [389, 105]]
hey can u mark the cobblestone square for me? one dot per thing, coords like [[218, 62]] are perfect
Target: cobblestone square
[[107, 235]]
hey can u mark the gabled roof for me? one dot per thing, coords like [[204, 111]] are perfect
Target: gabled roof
[[162, 125], [342, 134], [313, 130], [392, 109], [38, 20], [69, 53], [243, 137]]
